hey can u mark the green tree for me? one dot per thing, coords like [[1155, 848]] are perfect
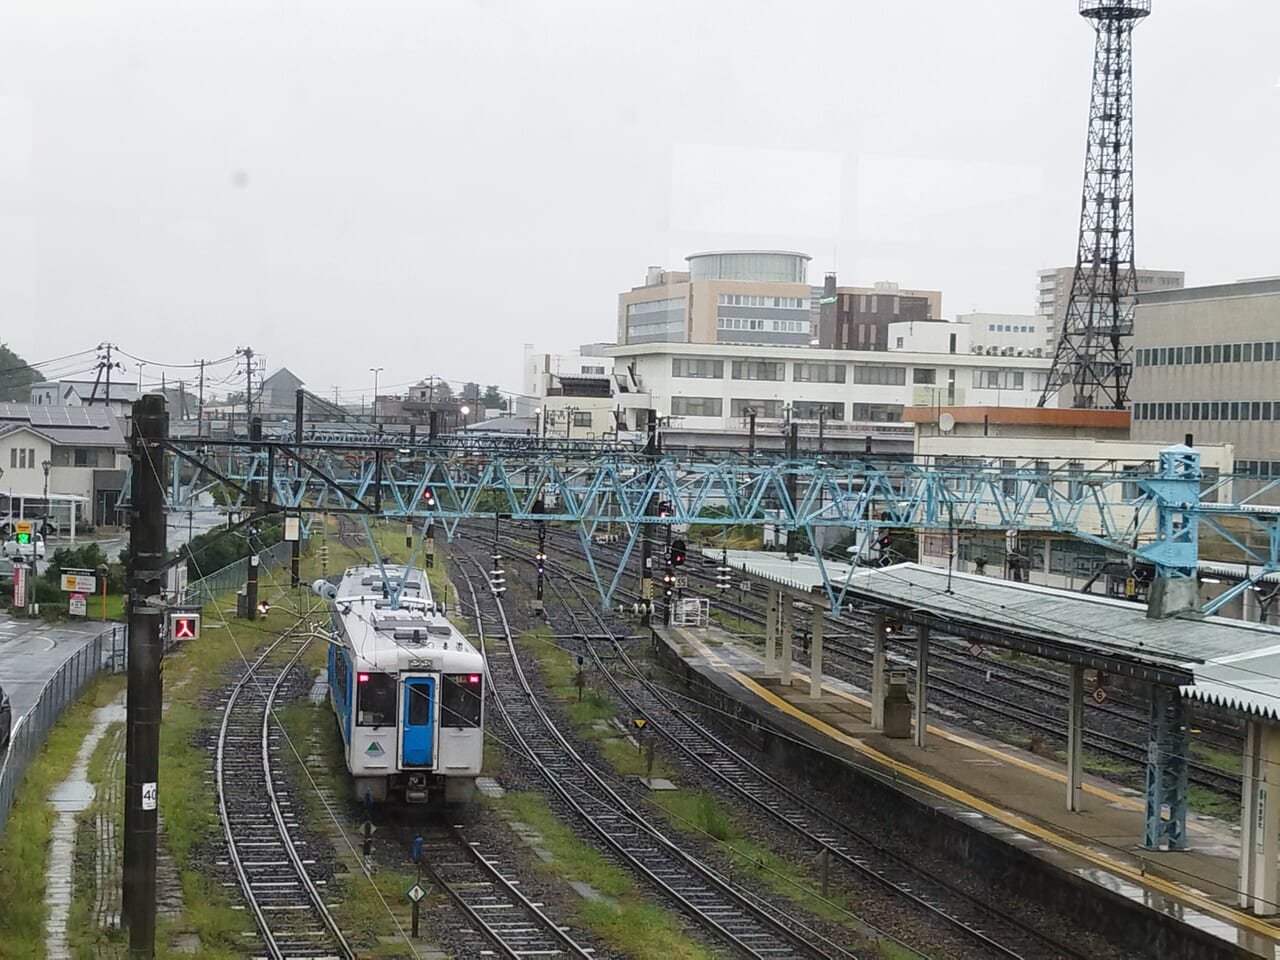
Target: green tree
[[16, 376], [493, 398]]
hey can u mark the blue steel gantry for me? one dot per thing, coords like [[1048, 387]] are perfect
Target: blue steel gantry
[[1153, 515]]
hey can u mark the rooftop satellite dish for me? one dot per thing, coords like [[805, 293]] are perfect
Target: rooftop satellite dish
[[946, 423]]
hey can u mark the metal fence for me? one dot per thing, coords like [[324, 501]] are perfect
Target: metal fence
[[103, 652], [233, 575]]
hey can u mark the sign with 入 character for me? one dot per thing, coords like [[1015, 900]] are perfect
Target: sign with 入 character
[[184, 626], [77, 605]]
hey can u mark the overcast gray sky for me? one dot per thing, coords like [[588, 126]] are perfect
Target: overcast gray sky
[[427, 186]]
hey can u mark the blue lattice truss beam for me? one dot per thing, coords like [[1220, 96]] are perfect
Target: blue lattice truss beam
[[1152, 515]]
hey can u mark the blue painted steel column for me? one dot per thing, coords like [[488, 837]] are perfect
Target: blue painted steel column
[[1166, 784], [1176, 548]]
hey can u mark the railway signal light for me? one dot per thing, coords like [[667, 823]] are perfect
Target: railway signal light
[[677, 552], [541, 559], [428, 499], [664, 508], [263, 608]]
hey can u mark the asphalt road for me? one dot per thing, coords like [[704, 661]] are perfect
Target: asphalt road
[[32, 651]]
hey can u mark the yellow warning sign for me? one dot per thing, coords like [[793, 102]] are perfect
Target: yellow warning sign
[[639, 722]]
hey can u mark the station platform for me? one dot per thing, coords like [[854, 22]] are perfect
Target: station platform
[[1012, 795]]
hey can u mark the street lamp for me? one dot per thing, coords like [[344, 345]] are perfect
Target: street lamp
[[537, 421], [375, 371], [464, 410]]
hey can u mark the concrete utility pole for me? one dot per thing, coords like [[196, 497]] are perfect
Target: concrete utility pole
[[247, 353], [200, 408], [142, 735]]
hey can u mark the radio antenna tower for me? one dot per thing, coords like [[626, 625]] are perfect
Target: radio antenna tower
[[1094, 357]]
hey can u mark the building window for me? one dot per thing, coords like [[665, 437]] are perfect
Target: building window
[[878, 412], [812, 410], [86, 457], [924, 375], [656, 320], [697, 407], [593, 371], [767, 409], [1247, 350], [818, 372], [1237, 351], [758, 370], [697, 368], [582, 418], [879, 375]]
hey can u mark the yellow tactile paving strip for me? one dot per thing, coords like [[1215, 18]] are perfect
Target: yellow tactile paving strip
[[1122, 869]]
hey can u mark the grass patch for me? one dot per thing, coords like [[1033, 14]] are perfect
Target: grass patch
[[625, 921], [1100, 763], [24, 846], [1228, 760], [1204, 800]]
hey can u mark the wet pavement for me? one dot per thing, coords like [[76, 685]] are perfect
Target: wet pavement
[[31, 652]]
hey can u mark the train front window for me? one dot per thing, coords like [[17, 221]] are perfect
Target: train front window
[[461, 700], [375, 700], [419, 703]]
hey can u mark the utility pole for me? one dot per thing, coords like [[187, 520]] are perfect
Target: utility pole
[[142, 735], [247, 353], [200, 409]]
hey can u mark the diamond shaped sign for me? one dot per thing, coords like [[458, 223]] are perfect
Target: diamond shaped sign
[[415, 893]]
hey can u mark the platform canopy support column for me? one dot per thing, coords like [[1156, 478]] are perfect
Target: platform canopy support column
[[815, 665], [1075, 737], [922, 681], [1166, 785], [771, 633], [787, 617], [878, 625], [1260, 819]]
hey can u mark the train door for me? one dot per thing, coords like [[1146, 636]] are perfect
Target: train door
[[417, 738]]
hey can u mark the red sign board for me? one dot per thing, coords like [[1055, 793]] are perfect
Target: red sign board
[[19, 585]]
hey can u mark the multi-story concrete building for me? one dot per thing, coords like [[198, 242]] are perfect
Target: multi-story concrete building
[[1054, 292], [733, 296], [1005, 334], [1207, 362], [858, 318], [713, 390]]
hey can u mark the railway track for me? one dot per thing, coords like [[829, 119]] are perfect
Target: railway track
[[747, 923], [504, 922], [258, 819], [1123, 739], [972, 918]]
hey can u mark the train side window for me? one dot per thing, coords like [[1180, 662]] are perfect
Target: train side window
[[375, 700], [340, 676], [461, 700], [419, 703]]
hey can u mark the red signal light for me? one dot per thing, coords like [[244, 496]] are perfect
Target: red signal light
[[473, 678], [183, 628], [362, 677]]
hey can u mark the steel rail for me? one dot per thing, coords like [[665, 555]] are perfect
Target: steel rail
[[755, 921], [328, 925]]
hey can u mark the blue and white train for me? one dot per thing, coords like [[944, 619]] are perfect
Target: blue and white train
[[407, 689]]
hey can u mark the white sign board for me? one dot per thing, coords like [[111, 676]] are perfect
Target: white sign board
[[76, 605], [292, 529], [79, 583], [149, 794], [175, 581]]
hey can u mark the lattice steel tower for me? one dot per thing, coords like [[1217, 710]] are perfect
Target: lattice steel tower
[[1094, 357]]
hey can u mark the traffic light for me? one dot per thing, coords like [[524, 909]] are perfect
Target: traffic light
[[885, 541], [677, 552], [22, 537]]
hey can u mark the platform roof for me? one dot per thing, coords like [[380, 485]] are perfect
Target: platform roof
[[1215, 659]]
